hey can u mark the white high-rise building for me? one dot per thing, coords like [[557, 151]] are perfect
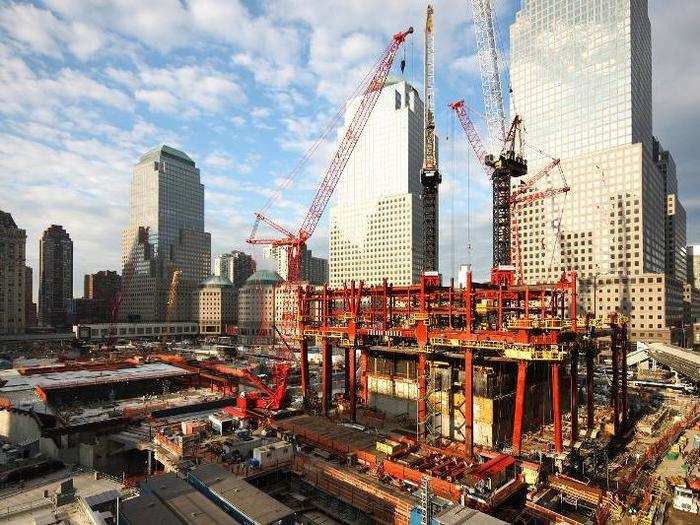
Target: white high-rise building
[[376, 225], [165, 233], [580, 73]]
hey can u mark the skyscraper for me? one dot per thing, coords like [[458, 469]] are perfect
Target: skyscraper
[[55, 277], [165, 233], [376, 225], [314, 269], [581, 80], [13, 242], [30, 318], [236, 266]]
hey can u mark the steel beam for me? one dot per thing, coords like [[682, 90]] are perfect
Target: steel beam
[[590, 368], [352, 383], [469, 402], [326, 375], [574, 393], [519, 406], [556, 407], [364, 362], [304, 365], [615, 393], [422, 395]]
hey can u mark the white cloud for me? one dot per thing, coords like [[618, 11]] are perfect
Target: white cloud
[[218, 160], [187, 90], [42, 32]]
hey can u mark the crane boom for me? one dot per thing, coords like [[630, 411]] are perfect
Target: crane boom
[[472, 135], [489, 67], [530, 183], [370, 96], [370, 89], [430, 176]]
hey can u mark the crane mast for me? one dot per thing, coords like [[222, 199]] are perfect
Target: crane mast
[[487, 54], [430, 176]]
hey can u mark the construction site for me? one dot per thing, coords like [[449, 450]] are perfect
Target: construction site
[[494, 402]]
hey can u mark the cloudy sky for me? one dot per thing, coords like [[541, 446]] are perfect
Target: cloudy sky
[[86, 86]]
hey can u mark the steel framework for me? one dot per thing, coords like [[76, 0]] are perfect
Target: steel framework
[[494, 321]]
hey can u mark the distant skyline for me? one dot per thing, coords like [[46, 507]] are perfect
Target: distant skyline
[[85, 90]]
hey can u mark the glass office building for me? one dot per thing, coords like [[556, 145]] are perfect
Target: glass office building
[[376, 227], [581, 80], [165, 233]]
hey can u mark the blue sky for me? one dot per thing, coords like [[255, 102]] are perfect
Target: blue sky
[[86, 86]]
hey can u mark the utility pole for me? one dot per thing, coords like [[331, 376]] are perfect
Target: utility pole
[[430, 177]]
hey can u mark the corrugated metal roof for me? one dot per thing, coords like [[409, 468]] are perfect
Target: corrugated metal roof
[[241, 495]]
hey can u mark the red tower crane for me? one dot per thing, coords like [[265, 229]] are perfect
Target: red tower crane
[[295, 242]]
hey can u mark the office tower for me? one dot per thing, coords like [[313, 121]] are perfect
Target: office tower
[[693, 265], [376, 224], [217, 305], [581, 80], [99, 291], [165, 233], [236, 266], [30, 319], [13, 242], [55, 277], [314, 269], [102, 286], [256, 308]]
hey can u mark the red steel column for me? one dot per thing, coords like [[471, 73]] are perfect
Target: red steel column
[[422, 393], [624, 344], [347, 372], [364, 359], [615, 395], [352, 372], [304, 372], [469, 402], [574, 394], [589, 389], [519, 406], [556, 407], [326, 375]]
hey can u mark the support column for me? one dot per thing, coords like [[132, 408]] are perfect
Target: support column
[[326, 376], [347, 372], [421, 409], [590, 423], [556, 408], [304, 372], [519, 406], [614, 394], [574, 394], [469, 402], [352, 371], [624, 346], [364, 361]]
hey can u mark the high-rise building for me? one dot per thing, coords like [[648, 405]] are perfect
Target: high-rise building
[[257, 308], [581, 80], [376, 225], [30, 318], [693, 265], [236, 266], [102, 286], [165, 233], [13, 242], [55, 277], [314, 270], [217, 305], [99, 291]]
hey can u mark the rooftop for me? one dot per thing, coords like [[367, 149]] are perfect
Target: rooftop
[[264, 277], [216, 280], [6, 220], [250, 501], [166, 151]]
